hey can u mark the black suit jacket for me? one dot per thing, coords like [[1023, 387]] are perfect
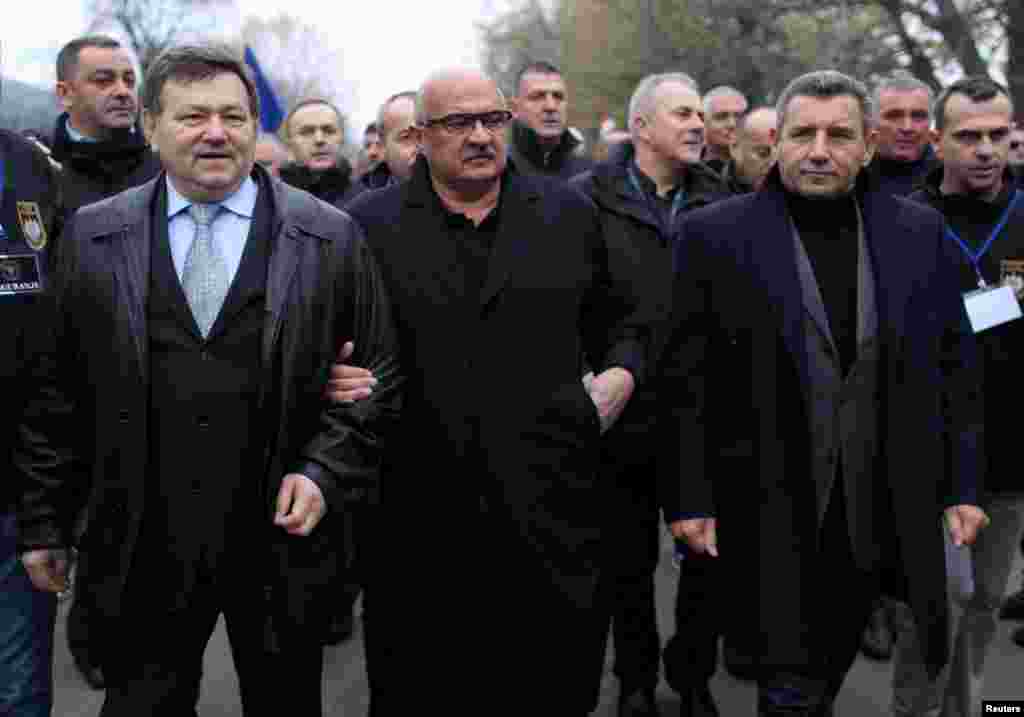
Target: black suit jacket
[[494, 401], [736, 379], [84, 435]]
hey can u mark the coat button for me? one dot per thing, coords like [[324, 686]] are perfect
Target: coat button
[[123, 415], [203, 422], [197, 485]]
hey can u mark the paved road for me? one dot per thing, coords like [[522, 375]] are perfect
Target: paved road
[[345, 692]]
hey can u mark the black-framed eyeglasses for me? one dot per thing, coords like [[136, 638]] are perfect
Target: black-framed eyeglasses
[[1015, 144], [465, 122]]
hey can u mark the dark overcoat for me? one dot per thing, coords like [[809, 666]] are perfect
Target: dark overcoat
[[494, 399], [736, 379], [85, 432]]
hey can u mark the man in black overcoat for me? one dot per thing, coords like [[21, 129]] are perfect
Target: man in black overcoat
[[489, 533], [180, 401], [644, 188], [822, 411]]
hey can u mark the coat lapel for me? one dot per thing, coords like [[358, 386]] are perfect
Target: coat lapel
[[284, 259], [130, 246], [516, 225], [773, 259]]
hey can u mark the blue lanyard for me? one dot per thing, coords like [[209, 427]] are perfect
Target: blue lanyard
[[975, 258], [677, 201]]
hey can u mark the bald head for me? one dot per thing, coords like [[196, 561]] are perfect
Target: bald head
[[466, 154], [754, 150], [444, 86], [758, 121]]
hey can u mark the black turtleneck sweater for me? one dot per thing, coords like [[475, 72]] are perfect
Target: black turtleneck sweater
[[828, 230]]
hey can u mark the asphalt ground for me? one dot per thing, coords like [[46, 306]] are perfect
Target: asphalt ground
[[866, 692]]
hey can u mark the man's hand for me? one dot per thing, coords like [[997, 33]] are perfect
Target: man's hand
[[348, 384], [699, 533], [48, 569], [610, 391], [964, 522], [300, 505]]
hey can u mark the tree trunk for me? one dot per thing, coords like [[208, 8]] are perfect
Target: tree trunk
[[1015, 62]]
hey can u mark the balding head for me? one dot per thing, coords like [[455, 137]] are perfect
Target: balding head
[[466, 152], [445, 86], [754, 150]]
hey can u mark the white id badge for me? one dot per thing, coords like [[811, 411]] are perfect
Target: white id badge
[[990, 307]]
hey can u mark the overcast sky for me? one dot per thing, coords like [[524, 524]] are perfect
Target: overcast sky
[[388, 45]]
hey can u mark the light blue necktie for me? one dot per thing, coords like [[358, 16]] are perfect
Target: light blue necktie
[[205, 276]]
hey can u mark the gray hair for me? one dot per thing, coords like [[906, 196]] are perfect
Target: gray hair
[[826, 84], [900, 81], [196, 63], [642, 101], [721, 91]]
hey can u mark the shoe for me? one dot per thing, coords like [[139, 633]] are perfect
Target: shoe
[[1018, 637], [340, 630], [698, 702], [1013, 607], [92, 674], [877, 640], [640, 703]]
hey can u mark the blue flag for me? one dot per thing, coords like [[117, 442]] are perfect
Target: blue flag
[[271, 114]]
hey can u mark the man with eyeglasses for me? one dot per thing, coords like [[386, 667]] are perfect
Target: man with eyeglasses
[[984, 213], [501, 286]]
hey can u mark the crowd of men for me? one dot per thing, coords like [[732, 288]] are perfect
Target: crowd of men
[[249, 379]]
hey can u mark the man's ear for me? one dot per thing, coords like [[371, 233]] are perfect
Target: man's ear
[[514, 106], [871, 143], [65, 95], [936, 137], [149, 127]]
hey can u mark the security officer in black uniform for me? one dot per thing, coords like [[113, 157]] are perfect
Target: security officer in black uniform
[[101, 151], [30, 219]]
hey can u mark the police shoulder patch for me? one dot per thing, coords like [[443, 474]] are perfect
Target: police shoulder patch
[[32, 226]]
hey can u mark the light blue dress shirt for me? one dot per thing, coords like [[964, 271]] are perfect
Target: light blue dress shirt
[[230, 226]]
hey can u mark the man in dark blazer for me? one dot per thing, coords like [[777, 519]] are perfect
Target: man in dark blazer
[[821, 400], [180, 401], [492, 507]]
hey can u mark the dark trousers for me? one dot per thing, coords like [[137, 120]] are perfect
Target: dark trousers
[[156, 667], [470, 622], [691, 654], [26, 634], [626, 588], [810, 689]]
